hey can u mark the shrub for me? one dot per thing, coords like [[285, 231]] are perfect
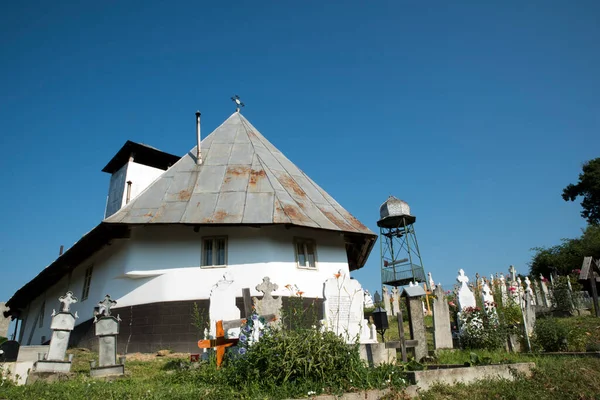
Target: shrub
[[551, 335], [480, 330], [306, 355]]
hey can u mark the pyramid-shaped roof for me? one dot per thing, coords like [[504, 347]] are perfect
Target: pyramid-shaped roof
[[243, 179]]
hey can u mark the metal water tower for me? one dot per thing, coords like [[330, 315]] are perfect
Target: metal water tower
[[401, 261]]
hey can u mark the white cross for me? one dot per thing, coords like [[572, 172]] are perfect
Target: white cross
[[462, 278], [66, 301], [513, 272]]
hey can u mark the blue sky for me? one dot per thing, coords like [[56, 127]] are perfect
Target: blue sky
[[476, 114]]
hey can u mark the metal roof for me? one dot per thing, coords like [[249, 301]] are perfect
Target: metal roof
[[243, 179], [142, 154]]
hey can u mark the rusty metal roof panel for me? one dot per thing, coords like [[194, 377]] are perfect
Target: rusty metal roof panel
[[171, 212], [241, 154], [210, 178], [259, 181], [236, 178], [200, 208], [230, 208], [259, 208], [243, 179], [219, 154]]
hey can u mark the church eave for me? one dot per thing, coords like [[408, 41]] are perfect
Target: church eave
[[89, 244]]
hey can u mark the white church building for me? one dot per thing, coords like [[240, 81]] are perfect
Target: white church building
[[173, 226]]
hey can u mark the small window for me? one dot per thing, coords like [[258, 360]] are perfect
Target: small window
[[305, 253], [42, 312], [87, 281], [214, 251]]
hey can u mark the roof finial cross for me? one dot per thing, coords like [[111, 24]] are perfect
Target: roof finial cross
[[66, 301], [106, 305], [238, 103]]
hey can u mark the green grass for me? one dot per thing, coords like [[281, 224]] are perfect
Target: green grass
[[553, 378], [163, 378], [3, 339]]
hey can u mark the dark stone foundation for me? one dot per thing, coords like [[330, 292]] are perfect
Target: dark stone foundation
[[147, 328]]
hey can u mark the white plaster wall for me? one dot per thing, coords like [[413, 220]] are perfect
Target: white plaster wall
[[161, 264], [141, 176], [107, 262]]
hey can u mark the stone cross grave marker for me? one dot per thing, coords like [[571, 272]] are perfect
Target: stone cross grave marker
[[368, 300], [386, 300], [488, 298], [529, 290], [545, 292], [431, 282], [107, 330], [395, 301], [268, 304], [343, 308], [503, 292], [466, 298], [106, 305], [62, 324], [442, 334], [520, 291], [4, 322], [66, 301], [513, 273]]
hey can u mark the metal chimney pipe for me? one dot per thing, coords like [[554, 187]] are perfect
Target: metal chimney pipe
[[198, 150], [128, 192]]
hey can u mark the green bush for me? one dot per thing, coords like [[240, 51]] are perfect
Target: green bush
[[481, 331], [551, 335], [299, 355]]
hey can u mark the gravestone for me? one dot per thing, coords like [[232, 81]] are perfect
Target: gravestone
[[62, 324], [529, 313], [9, 351], [222, 304], [395, 301], [343, 309], [106, 329], [488, 299], [521, 291], [529, 290], [414, 294], [386, 300], [503, 292], [368, 300], [539, 298], [268, 304], [466, 298], [442, 334], [545, 292], [431, 282], [4, 322]]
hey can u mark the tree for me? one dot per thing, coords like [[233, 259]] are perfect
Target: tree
[[567, 256], [588, 187]]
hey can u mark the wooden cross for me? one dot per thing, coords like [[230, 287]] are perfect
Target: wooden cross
[[219, 342], [66, 301]]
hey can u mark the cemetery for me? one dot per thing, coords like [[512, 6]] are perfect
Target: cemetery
[[264, 328]]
